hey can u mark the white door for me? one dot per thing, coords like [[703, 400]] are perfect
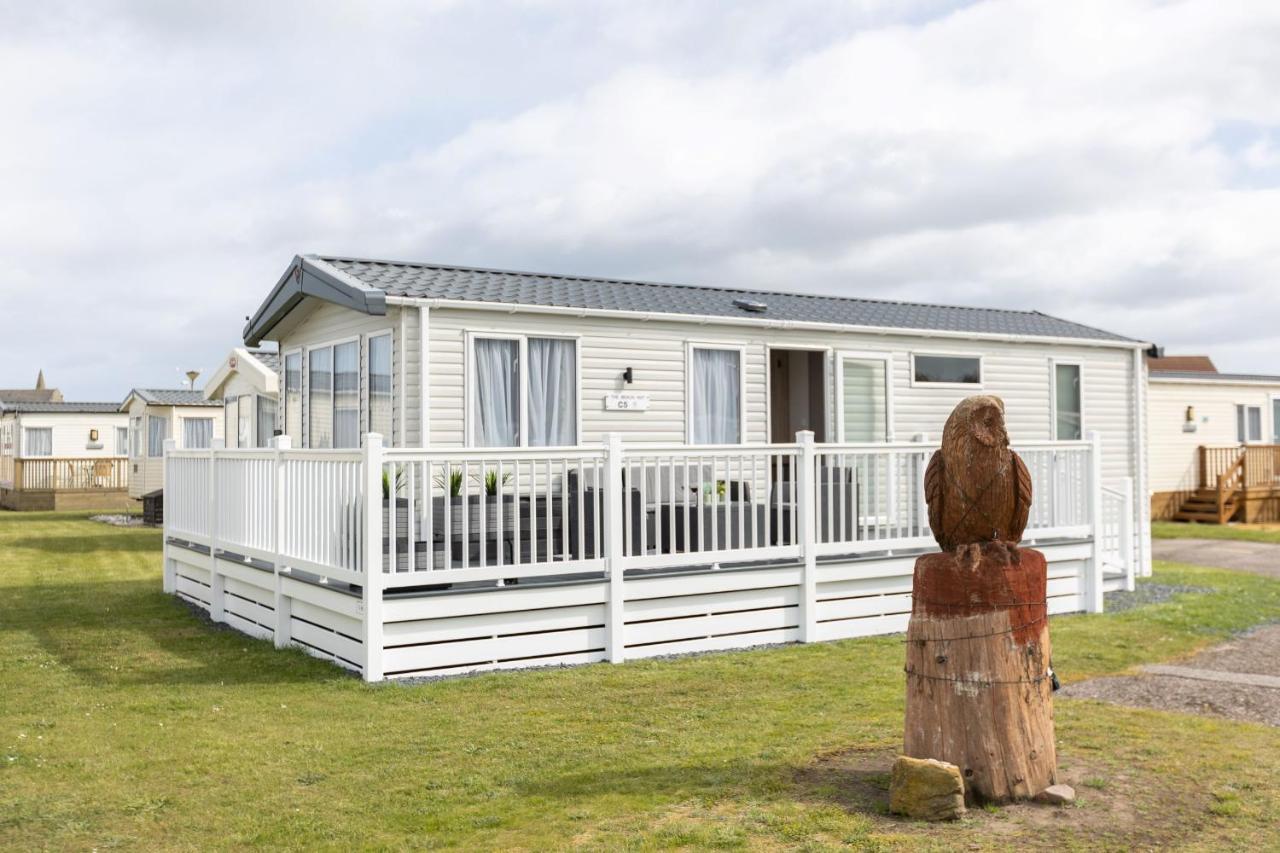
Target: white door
[[863, 397]]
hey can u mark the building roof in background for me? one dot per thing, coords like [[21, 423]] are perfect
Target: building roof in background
[[1182, 363], [1224, 378], [38, 394], [364, 285], [270, 358], [171, 397], [56, 407]]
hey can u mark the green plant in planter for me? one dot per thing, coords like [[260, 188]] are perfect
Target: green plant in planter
[[450, 481], [386, 483], [491, 482]]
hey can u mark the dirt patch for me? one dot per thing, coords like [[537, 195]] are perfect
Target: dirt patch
[[1112, 811]]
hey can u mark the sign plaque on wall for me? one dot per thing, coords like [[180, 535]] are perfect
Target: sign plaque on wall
[[625, 401]]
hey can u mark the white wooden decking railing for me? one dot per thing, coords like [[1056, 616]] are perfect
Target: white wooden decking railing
[[381, 522]]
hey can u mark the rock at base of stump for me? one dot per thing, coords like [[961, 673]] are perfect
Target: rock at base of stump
[[1057, 795], [926, 789]]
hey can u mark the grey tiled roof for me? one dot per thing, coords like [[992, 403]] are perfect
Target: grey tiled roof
[[30, 395], [436, 281], [174, 397], [270, 359], [1204, 376], [22, 406]]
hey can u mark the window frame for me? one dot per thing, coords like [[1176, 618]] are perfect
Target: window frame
[[1053, 397], [522, 379], [213, 432], [282, 412], [367, 388], [838, 377], [230, 404], [122, 448], [258, 420], [135, 436], [332, 346], [741, 349], [964, 386], [1274, 399], [167, 435], [26, 447], [1242, 426]]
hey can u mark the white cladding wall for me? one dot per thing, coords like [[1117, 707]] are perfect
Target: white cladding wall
[[319, 324], [146, 474], [1174, 454], [656, 351], [71, 432]]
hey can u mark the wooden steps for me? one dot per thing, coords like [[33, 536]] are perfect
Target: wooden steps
[[1202, 506]]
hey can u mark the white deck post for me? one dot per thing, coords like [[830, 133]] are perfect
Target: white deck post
[[169, 581], [217, 583], [615, 504], [372, 599], [284, 604], [1092, 591], [1130, 547], [806, 498]]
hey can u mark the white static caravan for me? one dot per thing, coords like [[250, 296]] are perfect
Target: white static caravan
[[62, 455], [158, 414], [247, 383], [509, 401], [1204, 427]]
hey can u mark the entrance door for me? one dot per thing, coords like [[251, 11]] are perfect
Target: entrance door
[[862, 405], [797, 394]]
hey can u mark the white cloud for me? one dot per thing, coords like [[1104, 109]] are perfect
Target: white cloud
[[1112, 162]]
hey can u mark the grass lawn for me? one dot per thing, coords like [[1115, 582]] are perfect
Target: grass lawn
[[1245, 532], [128, 721]]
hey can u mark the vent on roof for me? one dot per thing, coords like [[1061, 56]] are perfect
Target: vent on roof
[[751, 305]]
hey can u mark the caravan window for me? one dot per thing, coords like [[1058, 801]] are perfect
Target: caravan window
[[38, 441], [715, 395], [1248, 424], [379, 385], [122, 441], [946, 369], [197, 433], [1068, 423], [293, 396], [266, 420], [157, 432], [524, 392]]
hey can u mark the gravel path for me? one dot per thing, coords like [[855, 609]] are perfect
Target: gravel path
[[1222, 681], [1261, 558]]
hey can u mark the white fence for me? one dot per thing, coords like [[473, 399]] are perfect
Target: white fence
[[383, 524]]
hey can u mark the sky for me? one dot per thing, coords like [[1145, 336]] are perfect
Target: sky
[[1116, 163]]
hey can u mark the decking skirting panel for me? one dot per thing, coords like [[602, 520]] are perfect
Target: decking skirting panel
[[543, 624]]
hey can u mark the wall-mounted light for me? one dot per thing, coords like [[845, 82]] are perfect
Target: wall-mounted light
[[93, 435], [627, 376], [1189, 425]]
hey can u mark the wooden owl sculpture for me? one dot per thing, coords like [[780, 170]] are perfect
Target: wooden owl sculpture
[[977, 489]]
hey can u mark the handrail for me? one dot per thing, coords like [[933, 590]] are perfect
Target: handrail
[[1230, 480]]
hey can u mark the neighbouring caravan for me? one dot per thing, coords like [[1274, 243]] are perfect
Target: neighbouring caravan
[[1214, 445], [62, 455], [158, 414], [247, 383], [574, 469]]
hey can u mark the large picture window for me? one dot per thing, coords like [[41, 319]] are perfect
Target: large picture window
[[379, 384], [38, 441], [293, 396], [524, 392], [1068, 421], [157, 432], [715, 395], [946, 369]]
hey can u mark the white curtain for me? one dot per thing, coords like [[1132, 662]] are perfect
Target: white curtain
[[717, 396], [346, 395], [497, 395], [39, 441], [552, 393], [320, 398], [157, 432], [197, 433]]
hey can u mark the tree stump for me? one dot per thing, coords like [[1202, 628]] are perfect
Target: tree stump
[[978, 687]]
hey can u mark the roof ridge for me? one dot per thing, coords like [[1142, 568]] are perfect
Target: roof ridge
[[683, 285]]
